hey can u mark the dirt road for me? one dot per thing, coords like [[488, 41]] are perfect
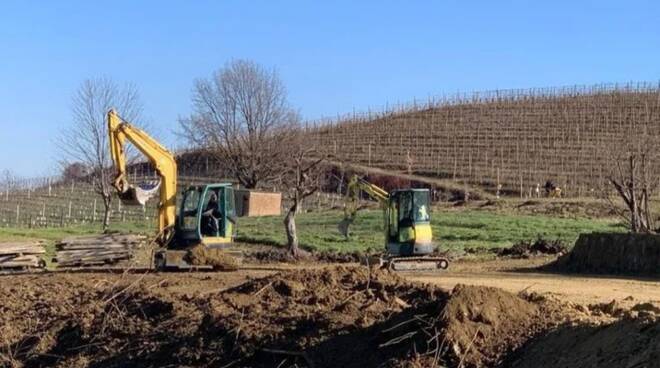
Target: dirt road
[[516, 275]]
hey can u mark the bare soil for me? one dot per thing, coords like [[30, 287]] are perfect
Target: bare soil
[[478, 314], [516, 275]]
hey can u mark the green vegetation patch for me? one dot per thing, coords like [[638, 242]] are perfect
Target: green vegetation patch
[[451, 229]]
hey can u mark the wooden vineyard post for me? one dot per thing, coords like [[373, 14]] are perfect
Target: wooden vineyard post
[[94, 211], [369, 159], [18, 214]]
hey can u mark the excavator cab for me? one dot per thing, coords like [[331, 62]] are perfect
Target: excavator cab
[[207, 216], [409, 223]]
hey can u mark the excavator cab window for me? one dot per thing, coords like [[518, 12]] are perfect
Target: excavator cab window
[[412, 207], [406, 206], [190, 207], [422, 201], [212, 221]]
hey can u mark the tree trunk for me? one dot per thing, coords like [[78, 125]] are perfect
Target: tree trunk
[[291, 234], [107, 202]]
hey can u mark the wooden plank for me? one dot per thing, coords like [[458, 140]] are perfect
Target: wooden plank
[[22, 250], [22, 261], [7, 258], [101, 242], [96, 239], [90, 252], [94, 246], [26, 258], [65, 257], [90, 261], [21, 243]]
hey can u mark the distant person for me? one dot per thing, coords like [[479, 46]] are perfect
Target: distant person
[[552, 190]]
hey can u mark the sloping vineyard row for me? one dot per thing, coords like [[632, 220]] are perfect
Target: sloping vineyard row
[[514, 138]]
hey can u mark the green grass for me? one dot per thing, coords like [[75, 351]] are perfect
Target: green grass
[[451, 229], [318, 230]]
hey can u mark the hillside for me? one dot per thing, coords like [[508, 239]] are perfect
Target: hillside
[[516, 138]]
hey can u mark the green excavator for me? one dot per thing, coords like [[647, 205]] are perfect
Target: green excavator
[[206, 216]]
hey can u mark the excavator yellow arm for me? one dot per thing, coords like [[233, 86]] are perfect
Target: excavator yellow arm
[[162, 160]]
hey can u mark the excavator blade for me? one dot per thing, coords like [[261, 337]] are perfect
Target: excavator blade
[[140, 194]]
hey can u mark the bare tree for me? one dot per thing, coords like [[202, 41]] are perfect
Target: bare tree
[[633, 178], [242, 115], [85, 140], [301, 178], [635, 184]]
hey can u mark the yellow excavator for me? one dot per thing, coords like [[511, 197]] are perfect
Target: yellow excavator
[[407, 225], [206, 214]]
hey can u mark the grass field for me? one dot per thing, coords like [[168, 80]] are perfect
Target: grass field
[[452, 230], [318, 230]]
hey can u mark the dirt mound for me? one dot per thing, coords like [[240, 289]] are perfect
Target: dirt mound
[[290, 317], [614, 253], [477, 327], [484, 323], [320, 317], [526, 249], [219, 259], [625, 343], [318, 312], [45, 324]]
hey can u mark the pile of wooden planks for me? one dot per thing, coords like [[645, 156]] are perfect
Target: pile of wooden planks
[[21, 255], [97, 250]]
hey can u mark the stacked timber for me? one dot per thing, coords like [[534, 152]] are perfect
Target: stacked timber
[[21, 255], [97, 250]]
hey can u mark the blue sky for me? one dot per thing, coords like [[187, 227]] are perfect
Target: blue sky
[[334, 56]]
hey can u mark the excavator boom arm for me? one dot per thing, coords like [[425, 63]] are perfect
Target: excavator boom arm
[[162, 160], [355, 185]]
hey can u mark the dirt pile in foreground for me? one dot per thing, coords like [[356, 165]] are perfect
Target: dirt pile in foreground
[[325, 317], [219, 259], [624, 343]]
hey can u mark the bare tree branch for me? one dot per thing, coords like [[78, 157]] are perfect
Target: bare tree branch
[[85, 140], [243, 116]]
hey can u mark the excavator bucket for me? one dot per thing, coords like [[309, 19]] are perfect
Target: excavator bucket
[[139, 194]]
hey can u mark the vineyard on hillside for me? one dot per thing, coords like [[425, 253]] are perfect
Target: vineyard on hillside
[[516, 138], [52, 202]]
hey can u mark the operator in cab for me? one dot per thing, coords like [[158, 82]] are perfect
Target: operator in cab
[[211, 216]]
